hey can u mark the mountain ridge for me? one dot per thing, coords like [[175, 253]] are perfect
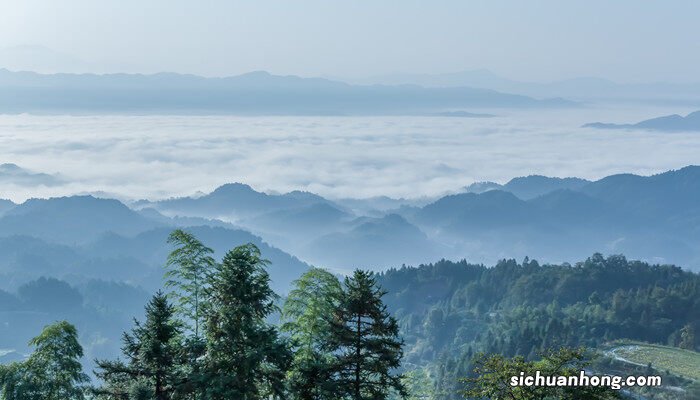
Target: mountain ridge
[[667, 123], [554, 219], [255, 93], [577, 88]]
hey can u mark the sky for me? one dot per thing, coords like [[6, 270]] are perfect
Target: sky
[[623, 40]]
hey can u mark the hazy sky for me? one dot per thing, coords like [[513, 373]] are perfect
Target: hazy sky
[[624, 40]]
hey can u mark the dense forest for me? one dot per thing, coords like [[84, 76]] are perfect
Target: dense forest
[[210, 338], [449, 312], [449, 330]]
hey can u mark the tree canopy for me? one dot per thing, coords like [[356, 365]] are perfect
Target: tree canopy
[[52, 371]]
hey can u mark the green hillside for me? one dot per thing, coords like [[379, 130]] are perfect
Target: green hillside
[[685, 363]]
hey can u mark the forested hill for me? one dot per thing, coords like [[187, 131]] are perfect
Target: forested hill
[[449, 311]]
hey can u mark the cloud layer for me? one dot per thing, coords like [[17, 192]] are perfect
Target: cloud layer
[[162, 156]]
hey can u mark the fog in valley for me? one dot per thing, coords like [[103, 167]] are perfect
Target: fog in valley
[[520, 180]]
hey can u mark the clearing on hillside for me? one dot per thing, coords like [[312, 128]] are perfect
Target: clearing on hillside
[[685, 363]]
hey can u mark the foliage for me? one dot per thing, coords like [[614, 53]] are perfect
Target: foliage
[[189, 266], [152, 351], [365, 341], [50, 295], [347, 341], [493, 377], [52, 371], [305, 318], [688, 339], [245, 358], [449, 311], [419, 385]]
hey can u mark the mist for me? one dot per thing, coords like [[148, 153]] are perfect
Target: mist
[[155, 157], [545, 41]]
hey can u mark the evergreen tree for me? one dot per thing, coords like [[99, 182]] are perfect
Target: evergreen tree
[[245, 357], [52, 371], [315, 296], [365, 340], [152, 351]]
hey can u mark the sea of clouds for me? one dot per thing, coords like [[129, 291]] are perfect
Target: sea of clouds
[[133, 157]]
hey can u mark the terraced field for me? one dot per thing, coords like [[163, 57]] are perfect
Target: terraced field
[[681, 362]]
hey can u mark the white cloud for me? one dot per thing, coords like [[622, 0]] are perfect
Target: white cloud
[[162, 156]]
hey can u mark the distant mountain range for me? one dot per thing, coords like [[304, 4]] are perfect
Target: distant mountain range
[[529, 187], [82, 237], [13, 174], [110, 255], [72, 220], [248, 202], [668, 123], [551, 219], [255, 93], [580, 89]]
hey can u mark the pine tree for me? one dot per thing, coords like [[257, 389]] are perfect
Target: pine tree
[[365, 340], [245, 357], [315, 295], [152, 351]]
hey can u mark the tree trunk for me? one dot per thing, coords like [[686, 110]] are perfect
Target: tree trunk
[[358, 354]]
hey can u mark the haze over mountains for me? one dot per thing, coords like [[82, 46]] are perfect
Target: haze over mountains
[[82, 237], [553, 219], [102, 257], [585, 89], [255, 93], [556, 219], [668, 123], [12, 173], [501, 207], [260, 93]]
